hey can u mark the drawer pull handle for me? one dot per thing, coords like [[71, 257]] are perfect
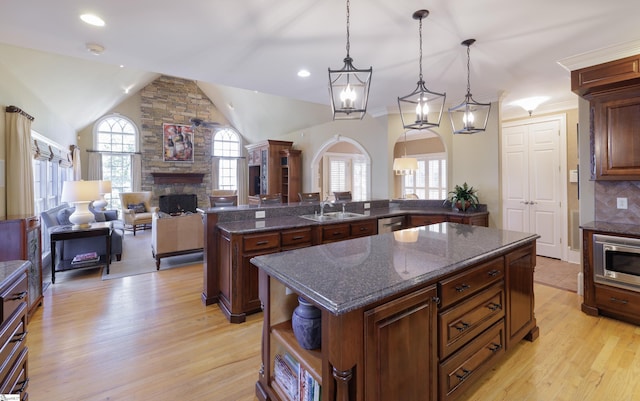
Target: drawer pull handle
[[494, 273], [436, 300], [363, 228], [19, 337], [463, 287], [462, 326], [464, 375], [494, 306], [297, 237], [495, 347], [336, 233], [262, 242], [23, 386], [619, 301], [20, 295]]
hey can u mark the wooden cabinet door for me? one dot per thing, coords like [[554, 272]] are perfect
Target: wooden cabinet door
[[520, 318], [400, 349], [617, 135]]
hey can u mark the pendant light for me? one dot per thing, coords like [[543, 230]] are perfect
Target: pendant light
[[349, 87], [415, 107], [469, 117], [405, 165]]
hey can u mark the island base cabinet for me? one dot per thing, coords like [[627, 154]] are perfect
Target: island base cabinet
[[521, 321], [400, 348]]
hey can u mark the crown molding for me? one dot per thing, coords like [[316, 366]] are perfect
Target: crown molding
[[600, 56]]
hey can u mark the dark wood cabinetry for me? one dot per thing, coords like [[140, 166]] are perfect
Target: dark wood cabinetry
[[14, 377], [21, 241], [274, 167], [417, 220], [613, 90], [521, 319]]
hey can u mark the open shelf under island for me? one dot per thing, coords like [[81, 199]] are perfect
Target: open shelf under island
[[417, 315]]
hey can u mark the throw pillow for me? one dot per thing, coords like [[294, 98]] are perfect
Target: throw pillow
[[99, 216], [137, 207], [63, 215]]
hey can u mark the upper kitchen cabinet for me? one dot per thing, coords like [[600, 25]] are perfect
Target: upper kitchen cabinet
[[613, 90]]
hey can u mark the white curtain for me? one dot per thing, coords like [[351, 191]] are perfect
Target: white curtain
[[77, 166], [19, 174], [95, 166], [136, 172], [215, 169], [242, 181]]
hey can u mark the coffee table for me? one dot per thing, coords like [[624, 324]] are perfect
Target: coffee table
[[61, 233]]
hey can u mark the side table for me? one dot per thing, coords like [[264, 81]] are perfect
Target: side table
[[62, 233]]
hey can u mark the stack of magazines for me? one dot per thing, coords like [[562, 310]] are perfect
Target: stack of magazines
[[85, 259]]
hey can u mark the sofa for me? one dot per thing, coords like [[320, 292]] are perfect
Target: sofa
[[176, 235], [59, 215], [137, 211]]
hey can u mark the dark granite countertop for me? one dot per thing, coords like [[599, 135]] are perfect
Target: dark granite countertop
[[11, 268], [351, 274], [284, 222], [613, 228]]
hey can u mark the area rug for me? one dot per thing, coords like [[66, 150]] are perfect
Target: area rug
[[138, 259], [558, 274]]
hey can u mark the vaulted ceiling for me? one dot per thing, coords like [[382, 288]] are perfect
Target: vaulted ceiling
[[245, 54]]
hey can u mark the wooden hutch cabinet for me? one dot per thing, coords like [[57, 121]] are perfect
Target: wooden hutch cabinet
[[613, 90], [274, 167], [21, 241]]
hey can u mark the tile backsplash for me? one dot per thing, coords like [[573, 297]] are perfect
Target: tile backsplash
[[606, 196]]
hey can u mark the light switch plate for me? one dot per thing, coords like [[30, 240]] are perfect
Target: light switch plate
[[260, 214], [367, 205], [621, 203]]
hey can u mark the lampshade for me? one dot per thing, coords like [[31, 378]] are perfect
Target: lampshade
[[80, 194], [405, 165], [349, 87], [407, 235], [422, 108], [470, 116]]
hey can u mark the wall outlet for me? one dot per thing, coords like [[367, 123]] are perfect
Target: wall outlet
[[367, 205], [260, 214], [621, 203]]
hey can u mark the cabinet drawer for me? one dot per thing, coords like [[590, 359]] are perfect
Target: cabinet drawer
[[12, 335], [460, 324], [463, 285], [617, 300], [364, 228], [13, 296], [335, 232], [16, 380], [415, 221], [296, 238], [258, 242], [459, 371]]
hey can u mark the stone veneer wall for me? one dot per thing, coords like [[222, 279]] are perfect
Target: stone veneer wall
[[176, 100], [606, 194]]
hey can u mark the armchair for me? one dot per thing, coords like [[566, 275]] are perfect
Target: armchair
[[176, 235], [137, 210]]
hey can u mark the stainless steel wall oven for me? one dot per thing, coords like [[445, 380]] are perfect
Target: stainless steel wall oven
[[616, 261]]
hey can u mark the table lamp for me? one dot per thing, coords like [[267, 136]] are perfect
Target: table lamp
[[80, 194], [104, 187]]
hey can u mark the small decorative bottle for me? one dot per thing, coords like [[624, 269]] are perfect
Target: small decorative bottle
[[307, 325]]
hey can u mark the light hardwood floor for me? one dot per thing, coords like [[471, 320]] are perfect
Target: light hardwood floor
[[148, 337]]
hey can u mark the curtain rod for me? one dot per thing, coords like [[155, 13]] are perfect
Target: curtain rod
[[14, 109], [112, 151]]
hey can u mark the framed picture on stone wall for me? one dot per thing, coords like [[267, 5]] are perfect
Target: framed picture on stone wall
[[177, 142]]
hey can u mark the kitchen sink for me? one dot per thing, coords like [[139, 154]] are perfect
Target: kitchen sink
[[333, 216]]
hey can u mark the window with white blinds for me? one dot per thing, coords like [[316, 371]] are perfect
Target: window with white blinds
[[430, 181], [346, 173]]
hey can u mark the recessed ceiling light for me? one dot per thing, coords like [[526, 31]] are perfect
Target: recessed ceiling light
[[304, 73], [92, 19]]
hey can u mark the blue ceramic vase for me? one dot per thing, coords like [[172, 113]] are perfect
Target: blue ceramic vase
[[307, 326]]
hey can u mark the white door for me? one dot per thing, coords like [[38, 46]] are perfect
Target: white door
[[532, 191]]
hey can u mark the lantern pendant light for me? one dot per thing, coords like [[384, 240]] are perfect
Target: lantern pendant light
[[405, 165], [469, 117], [349, 87], [416, 106]]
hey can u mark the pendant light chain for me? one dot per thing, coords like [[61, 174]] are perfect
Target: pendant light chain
[[420, 29], [468, 71], [348, 13]]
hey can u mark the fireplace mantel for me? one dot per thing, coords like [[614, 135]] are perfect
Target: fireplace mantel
[[177, 178]]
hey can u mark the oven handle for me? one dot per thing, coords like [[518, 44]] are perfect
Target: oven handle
[[619, 248]]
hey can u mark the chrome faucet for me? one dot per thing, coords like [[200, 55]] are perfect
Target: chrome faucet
[[323, 204]]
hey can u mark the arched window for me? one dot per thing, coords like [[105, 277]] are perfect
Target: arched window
[[116, 139], [226, 148]]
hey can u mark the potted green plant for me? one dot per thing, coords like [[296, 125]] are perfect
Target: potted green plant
[[463, 197]]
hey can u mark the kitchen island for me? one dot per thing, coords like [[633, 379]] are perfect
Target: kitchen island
[[417, 314]]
